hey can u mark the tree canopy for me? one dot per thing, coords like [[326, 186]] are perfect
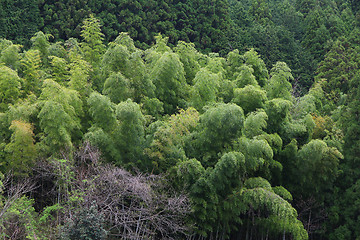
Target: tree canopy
[[254, 136]]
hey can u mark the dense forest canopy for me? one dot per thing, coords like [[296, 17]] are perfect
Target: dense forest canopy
[[297, 32], [179, 119]]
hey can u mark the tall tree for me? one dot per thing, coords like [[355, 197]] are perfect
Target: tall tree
[[9, 87], [93, 46], [219, 126], [21, 151], [59, 117], [168, 76]]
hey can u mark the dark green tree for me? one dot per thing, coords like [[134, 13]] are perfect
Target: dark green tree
[[86, 224]]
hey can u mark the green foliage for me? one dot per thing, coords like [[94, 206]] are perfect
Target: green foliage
[[282, 192], [168, 76], [221, 195], [117, 88], [59, 116], [130, 134], [31, 64], [24, 110], [139, 76], [218, 127], [316, 33], [277, 208], [204, 208], [279, 85], [93, 46], [152, 107], [259, 9], [278, 112], [255, 123], [18, 217], [86, 224], [40, 42], [257, 152], [338, 68], [247, 129], [189, 58], [10, 56], [227, 173], [57, 49], [59, 69], [245, 77], [233, 62], [54, 121], [104, 126], [9, 87], [258, 182], [300, 130], [116, 58], [305, 105], [260, 72], [79, 74], [351, 129], [105, 143], [205, 89], [166, 147], [102, 111], [21, 151], [249, 98], [344, 216], [118, 130], [189, 172], [317, 163], [20, 19], [295, 32]]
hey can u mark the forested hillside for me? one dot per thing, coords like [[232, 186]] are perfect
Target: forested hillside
[[179, 120], [298, 32]]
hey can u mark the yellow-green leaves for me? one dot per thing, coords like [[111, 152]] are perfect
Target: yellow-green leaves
[[219, 126], [40, 42], [116, 59], [245, 77], [169, 78], [250, 98], [10, 56], [205, 89], [59, 115], [278, 111], [279, 85], [168, 140], [59, 69], [189, 57], [93, 46], [117, 88], [130, 135], [255, 124], [102, 111], [9, 87], [31, 64], [317, 165], [21, 152], [260, 72], [257, 152]]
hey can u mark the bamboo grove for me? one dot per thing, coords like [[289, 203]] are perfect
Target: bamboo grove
[[172, 143]]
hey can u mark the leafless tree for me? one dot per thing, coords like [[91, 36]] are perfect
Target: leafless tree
[[134, 206], [311, 214]]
